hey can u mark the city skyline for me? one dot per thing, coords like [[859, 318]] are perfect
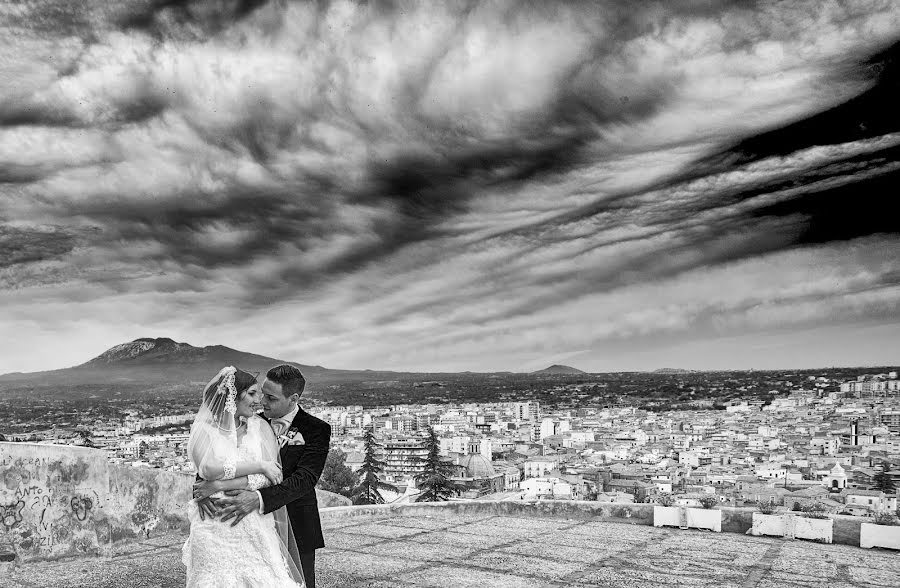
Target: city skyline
[[499, 187]]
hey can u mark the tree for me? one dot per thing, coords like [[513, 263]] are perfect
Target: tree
[[336, 476], [367, 490], [796, 507], [434, 481], [86, 439], [883, 481]]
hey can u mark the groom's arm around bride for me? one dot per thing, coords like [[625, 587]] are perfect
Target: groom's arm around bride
[[304, 462]]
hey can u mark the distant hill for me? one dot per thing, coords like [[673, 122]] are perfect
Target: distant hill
[[155, 361], [559, 370], [147, 363], [672, 371]]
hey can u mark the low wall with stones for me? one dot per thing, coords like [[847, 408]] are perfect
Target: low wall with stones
[[58, 501]]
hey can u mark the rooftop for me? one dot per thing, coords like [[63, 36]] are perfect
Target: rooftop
[[459, 549]]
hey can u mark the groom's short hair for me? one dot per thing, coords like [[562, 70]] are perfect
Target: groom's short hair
[[289, 378]]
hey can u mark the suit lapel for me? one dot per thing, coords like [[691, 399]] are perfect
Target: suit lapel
[[295, 424]]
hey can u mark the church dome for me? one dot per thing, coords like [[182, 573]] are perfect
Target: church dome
[[477, 466]]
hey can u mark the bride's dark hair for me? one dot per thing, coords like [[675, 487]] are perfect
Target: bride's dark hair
[[242, 382]]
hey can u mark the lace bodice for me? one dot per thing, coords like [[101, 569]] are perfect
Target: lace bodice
[[249, 450]]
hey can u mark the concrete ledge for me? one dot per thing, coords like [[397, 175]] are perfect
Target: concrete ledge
[[734, 519]]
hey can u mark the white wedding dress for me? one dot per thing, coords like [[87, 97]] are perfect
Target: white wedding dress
[[247, 555]]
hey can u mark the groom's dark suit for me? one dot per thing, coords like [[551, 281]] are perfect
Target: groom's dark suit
[[302, 465]]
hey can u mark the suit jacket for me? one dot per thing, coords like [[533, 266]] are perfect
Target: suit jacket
[[302, 465]]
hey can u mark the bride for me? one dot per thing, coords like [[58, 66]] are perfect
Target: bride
[[235, 449]]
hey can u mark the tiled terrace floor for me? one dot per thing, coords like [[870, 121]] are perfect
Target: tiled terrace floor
[[490, 551]]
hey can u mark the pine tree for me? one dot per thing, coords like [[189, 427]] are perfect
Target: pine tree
[[434, 482], [367, 491], [336, 476], [86, 439], [883, 481]]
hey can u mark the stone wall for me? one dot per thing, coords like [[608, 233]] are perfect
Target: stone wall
[[61, 500], [58, 501]]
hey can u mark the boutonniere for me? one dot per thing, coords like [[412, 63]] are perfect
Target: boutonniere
[[291, 437]]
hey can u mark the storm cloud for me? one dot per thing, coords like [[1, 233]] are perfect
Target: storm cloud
[[403, 185]]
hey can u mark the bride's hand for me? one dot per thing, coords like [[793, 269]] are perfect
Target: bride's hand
[[205, 489], [272, 471]]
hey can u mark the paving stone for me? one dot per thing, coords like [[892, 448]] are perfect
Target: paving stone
[[626, 577], [537, 525], [420, 551], [876, 577], [524, 565], [350, 540], [382, 530], [585, 541], [507, 552], [363, 565], [462, 577], [488, 528], [429, 523], [540, 548], [616, 531], [464, 539]]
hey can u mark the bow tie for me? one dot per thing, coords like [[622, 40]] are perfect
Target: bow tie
[[280, 426]]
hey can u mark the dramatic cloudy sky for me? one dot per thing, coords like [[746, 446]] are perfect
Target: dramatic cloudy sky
[[452, 186]]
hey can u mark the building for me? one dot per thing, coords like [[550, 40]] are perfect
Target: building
[[403, 457], [641, 491], [873, 386], [477, 476], [547, 428], [854, 437], [836, 479], [890, 418], [527, 411], [864, 502], [551, 488], [538, 467]]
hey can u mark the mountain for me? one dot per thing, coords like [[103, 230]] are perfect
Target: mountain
[[152, 362], [148, 362], [155, 361], [558, 370], [671, 371], [148, 352]]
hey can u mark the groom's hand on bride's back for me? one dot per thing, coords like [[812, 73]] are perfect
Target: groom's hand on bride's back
[[237, 504]]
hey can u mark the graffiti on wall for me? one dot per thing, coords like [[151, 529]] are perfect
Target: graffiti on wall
[[11, 514], [59, 501], [47, 503], [81, 507]]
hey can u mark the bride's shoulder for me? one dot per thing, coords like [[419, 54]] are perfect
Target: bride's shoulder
[[256, 421]]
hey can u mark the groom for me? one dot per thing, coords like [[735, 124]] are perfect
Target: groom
[[304, 441]]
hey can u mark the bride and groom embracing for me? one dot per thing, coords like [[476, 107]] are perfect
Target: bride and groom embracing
[[254, 517]]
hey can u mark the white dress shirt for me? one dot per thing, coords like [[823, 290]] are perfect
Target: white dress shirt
[[286, 420]]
